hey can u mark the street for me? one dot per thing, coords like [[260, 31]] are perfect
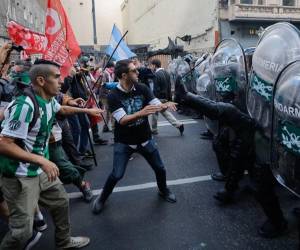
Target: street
[[135, 217]]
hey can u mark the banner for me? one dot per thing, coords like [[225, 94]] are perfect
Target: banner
[[32, 42], [62, 45], [122, 52]]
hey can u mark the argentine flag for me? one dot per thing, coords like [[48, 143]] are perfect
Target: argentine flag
[[122, 52]]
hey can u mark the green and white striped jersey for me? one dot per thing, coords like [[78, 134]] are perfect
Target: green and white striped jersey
[[18, 115]]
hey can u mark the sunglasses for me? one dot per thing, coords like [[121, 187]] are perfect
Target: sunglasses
[[134, 71]]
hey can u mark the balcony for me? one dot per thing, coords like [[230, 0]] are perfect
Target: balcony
[[245, 12]]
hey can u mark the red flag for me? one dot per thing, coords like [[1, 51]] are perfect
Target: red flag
[[32, 42], [90, 103], [62, 45]]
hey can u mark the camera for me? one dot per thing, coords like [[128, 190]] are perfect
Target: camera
[[17, 48]]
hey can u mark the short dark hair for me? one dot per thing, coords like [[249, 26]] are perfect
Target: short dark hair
[[41, 67], [110, 64], [45, 62], [122, 67], [156, 62]]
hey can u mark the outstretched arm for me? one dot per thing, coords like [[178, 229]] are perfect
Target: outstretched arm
[[225, 112], [68, 110], [148, 110]]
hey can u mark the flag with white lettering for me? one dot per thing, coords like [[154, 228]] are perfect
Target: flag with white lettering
[[62, 45], [31, 41]]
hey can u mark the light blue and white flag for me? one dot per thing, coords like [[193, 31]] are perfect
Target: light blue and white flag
[[122, 52]]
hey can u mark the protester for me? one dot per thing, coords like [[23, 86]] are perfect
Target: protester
[[69, 173], [108, 77], [92, 88], [162, 90], [23, 154], [145, 73], [76, 86], [131, 104]]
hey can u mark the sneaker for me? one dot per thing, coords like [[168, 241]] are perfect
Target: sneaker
[[40, 225], [269, 230], [87, 166], [168, 196], [181, 129], [76, 242], [100, 142], [86, 191], [97, 206], [87, 154], [33, 240], [207, 135]]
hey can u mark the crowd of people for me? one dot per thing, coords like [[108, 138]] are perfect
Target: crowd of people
[[45, 140]]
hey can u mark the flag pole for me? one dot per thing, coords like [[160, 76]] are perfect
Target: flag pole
[[92, 94], [112, 54]]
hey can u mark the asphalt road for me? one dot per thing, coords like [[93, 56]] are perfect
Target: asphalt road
[[135, 217]]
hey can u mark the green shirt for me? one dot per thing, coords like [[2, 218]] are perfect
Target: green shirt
[[17, 117]]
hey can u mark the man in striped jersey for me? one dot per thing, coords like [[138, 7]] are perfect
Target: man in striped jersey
[[29, 177]]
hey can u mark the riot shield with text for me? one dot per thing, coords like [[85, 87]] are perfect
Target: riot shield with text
[[285, 129], [278, 46], [230, 73]]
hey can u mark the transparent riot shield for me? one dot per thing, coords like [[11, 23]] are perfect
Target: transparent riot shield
[[285, 129], [278, 46], [230, 73], [177, 68], [206, 88]]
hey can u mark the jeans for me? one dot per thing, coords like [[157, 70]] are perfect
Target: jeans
[[80, 128], [122, 153], [68, 143]]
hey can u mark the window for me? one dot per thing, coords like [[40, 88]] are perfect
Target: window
[[288, 2], [12, 10], [25, 13], [246, 1], [261, 2], [30, 18]]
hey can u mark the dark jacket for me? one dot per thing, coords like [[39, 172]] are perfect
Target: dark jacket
[[75, 86], [162, 85], [145, 75]]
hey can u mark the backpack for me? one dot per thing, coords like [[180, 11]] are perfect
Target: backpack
[[7, 90]]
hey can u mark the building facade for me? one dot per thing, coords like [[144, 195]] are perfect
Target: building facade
[[191, 23], [30, 14], [243, 19], [80, 13], [196, 25], [199, 25]]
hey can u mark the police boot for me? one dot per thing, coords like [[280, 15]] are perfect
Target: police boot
[[296, 211], [273, 230], [218, 176], [224, 196]]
